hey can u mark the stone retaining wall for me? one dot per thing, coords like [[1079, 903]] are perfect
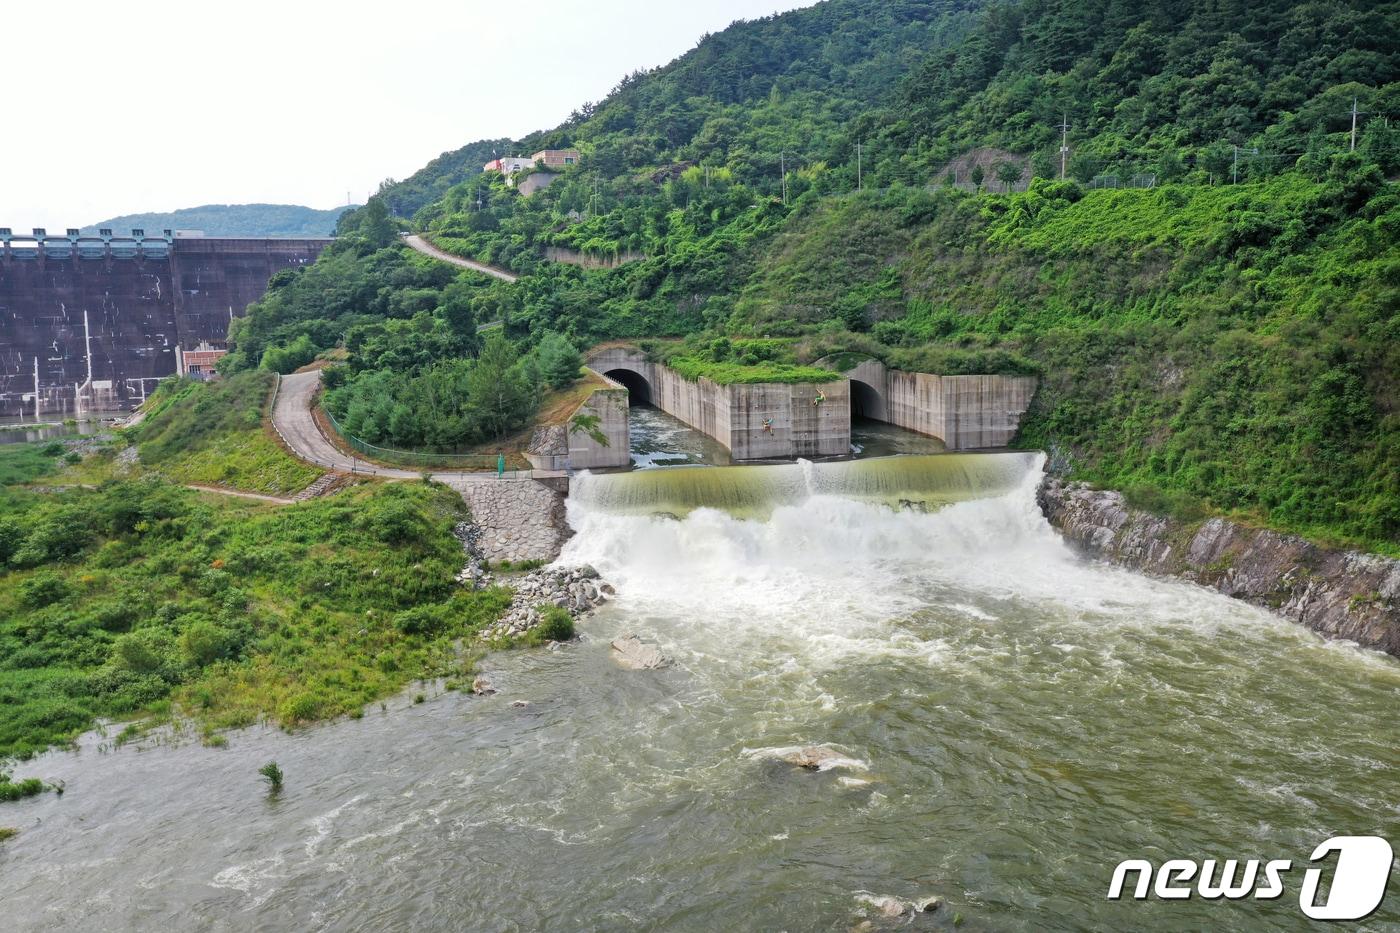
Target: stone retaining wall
[[519, 519]]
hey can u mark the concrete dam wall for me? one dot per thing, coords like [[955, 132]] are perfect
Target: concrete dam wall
[[99, 333]]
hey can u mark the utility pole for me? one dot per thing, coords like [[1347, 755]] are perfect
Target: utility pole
[[1354, 112], [1235, 167], [857, 166], [782, 163], [1064, 143]]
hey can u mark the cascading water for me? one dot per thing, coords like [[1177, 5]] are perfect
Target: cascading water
[[755, 491], [1007, 722]]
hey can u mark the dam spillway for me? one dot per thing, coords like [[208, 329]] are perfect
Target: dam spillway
[[754, 491]]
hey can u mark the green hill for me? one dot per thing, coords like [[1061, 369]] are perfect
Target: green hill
[[1210, 295], [232, 220]]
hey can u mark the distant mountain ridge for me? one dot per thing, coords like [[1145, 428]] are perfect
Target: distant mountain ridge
[[233, 220]]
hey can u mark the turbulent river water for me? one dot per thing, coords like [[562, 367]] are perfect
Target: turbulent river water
[[1016, 721]]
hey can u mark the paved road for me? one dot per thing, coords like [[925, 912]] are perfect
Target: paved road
[[428, 249], [292, 418]]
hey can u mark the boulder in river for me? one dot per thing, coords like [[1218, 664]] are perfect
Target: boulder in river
[[482, 687], [811, 757], [632, 653]]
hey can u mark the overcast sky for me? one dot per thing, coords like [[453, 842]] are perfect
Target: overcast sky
[[117, 108]]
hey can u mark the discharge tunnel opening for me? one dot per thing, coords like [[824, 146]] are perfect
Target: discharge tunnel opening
[[638, 389]]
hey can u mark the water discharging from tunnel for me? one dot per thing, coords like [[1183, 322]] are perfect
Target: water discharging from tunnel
[[1014, 720]]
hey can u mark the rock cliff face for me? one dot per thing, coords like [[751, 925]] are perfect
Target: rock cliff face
[[1340, 594]]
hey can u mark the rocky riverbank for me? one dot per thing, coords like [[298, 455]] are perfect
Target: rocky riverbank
[[575, 589], [1338, 593]]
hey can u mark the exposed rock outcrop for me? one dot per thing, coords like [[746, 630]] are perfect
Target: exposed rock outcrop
[[632, 653], [1338, 593]]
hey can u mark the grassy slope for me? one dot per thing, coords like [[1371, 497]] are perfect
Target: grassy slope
[[1230, 349], [144, 597], [213, 434]]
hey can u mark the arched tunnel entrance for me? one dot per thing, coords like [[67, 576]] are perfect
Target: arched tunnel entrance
[[638, 389], [866, 402]]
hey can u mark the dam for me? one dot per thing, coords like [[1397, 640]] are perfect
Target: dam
[[784, 421], [93, 323]]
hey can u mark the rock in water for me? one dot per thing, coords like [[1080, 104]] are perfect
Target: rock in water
[[631, 652], [811, 757], [482, 687], [885, 906]]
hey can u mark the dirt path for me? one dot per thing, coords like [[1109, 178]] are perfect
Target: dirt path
[[261, 497], [428, 249]]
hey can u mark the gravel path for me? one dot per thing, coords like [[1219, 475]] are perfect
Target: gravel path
[[428, 249]]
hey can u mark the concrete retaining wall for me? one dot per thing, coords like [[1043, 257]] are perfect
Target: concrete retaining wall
[[963, 411], [734, 415], [575, 257], [611, 447]]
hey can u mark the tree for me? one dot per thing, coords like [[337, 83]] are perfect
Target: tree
[[978, 175], [375, 225], [1008, 173], [498, 396], [558, 361]]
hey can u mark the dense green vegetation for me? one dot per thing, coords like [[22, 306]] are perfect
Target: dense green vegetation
[[231, 220], [1223, 341], [144, 597], [24, 463], [211, 433], [1221, 348]]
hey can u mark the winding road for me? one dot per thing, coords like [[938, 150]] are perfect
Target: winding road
[[427, 249], [295, 423]]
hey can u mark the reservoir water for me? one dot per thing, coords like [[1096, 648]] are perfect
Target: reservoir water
[[1015, 721]]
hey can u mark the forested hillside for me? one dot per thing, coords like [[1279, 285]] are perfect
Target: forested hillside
[[232, 220], [1210, 295]]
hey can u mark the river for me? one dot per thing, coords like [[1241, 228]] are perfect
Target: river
[[1017, 721]]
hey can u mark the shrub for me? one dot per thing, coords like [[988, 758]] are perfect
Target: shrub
[[204, 642], [555, 625], [422, 620], [15, 790], [273, 775], [43, 589], [303, 707]]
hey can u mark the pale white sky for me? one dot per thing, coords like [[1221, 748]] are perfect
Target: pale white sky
[[124, 107]]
